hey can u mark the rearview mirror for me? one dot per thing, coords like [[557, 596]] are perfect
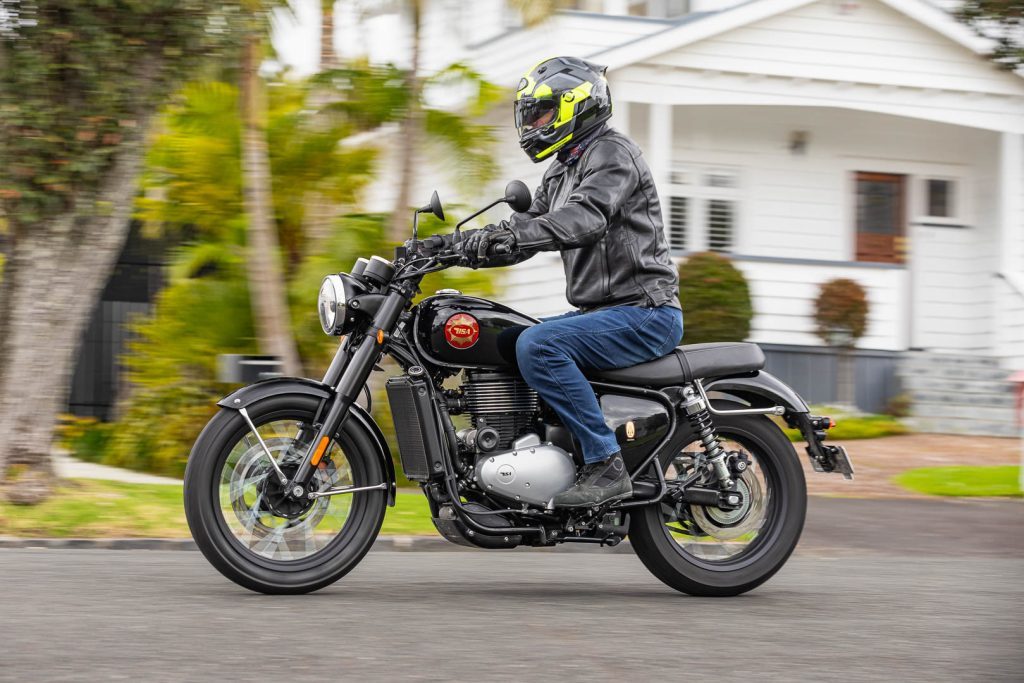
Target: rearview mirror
[[518, 196], [435, 206]]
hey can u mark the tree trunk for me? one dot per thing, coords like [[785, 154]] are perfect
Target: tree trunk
[[267, 292], [328, 58], [408, 139], [52, 280]]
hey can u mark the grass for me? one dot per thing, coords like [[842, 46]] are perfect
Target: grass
[[85, 508], [852, 427], [981, 481]]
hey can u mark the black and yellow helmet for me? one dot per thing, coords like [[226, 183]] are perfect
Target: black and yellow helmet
[[558, 101]]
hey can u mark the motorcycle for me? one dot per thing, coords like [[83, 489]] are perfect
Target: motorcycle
[[287, 485]]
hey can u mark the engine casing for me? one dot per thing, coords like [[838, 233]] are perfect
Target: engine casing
[[532, 472]]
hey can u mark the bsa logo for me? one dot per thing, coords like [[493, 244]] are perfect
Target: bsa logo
[[462, 331]]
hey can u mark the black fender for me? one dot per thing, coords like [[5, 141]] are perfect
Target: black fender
[[760, 390], [277, 386]]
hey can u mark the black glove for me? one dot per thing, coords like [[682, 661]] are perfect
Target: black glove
[[478, 245]]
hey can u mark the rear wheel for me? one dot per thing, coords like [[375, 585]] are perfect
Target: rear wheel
[[250, 530], [708, 551]]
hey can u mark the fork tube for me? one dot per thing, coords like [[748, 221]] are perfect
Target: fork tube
[[337, 366], [352, 379]]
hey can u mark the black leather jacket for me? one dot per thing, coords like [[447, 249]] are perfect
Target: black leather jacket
[[602, 213]]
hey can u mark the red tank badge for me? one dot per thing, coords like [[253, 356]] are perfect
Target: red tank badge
[[462, 330]]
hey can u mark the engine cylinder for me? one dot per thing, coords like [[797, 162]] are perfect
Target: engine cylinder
[[502, 401]]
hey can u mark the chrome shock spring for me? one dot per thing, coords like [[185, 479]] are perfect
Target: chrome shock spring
[[699, 416]]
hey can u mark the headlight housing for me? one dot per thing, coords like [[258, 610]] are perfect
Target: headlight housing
[[332, 305]]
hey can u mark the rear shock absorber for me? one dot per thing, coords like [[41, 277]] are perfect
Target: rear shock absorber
[[700, 418]]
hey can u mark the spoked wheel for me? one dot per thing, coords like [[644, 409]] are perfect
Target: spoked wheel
[[246, 525], [710, 551]]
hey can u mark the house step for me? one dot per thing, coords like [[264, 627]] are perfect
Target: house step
[[965, 411], [1002, 400], [955, 385], [963, 426]]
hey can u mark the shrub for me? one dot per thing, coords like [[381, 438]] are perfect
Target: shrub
[[841, 306], [715, 299]]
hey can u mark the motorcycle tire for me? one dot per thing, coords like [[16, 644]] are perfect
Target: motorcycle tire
[[670, 562], [206, 516]]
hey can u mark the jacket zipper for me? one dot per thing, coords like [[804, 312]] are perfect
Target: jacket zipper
[[605, 273]]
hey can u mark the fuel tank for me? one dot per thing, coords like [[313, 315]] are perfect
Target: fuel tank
[[458, 331]]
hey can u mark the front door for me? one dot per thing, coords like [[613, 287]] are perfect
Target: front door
[[881, 217]]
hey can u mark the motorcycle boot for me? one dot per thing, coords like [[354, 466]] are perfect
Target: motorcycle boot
[[596, 483]]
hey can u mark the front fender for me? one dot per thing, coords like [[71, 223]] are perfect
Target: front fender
[[761, 390], [277, 386]]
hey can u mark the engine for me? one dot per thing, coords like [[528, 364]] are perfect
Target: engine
[[501, 407]]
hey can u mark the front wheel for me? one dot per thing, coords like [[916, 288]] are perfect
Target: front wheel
[[708, 551], [250, 530]]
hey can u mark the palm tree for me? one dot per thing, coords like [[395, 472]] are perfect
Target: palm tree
[[267, 290]]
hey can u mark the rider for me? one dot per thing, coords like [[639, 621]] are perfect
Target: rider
[[597, 205]]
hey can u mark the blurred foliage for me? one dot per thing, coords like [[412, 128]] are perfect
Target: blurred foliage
[[715, 300], [1001, 20], [841, 306], [77, 79], [85, 438], [193, 178]]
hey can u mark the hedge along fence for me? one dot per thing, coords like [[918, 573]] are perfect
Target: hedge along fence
[[715, 298]]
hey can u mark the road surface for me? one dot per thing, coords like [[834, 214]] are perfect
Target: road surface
[[924, 604]]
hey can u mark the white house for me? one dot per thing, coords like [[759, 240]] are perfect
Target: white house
[[809, 140]]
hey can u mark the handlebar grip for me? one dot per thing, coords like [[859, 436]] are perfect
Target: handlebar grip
[[502, 249]]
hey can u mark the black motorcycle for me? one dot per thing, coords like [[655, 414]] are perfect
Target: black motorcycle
[[287, 485]]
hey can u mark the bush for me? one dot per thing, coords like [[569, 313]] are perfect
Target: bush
[[715, 299], [841, 306], [85, 438]]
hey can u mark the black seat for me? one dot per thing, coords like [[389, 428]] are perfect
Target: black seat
[[687, 363]]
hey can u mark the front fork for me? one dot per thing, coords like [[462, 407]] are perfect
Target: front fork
[[347, 375]]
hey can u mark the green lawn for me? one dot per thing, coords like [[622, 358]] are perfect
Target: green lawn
[[1001, 480], [84, 508]]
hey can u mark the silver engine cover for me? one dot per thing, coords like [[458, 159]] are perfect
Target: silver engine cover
[[532, 472]]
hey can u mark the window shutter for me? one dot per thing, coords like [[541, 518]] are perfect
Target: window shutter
[[721, 219], [678, 215]]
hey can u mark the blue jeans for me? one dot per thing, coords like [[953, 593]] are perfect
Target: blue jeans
[[551, 354]]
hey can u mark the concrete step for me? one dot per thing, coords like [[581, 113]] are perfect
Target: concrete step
[[955, 385], [959, 411], [949, 359], [982, 373], [962, 399], [962, 426]]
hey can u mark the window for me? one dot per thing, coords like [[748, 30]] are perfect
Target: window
[[702, 209], [939, 198]]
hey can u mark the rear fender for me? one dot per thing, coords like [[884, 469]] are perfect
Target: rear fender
[[277, 386], [761, 390]]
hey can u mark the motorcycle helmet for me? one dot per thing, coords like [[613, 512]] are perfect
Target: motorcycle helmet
[[559, 100]]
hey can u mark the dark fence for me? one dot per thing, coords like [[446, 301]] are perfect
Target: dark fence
[[130, 291], [813, 371]]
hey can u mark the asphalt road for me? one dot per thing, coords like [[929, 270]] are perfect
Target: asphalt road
[[944, 602]]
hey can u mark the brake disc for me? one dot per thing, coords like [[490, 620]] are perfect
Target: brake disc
[[728, 525]]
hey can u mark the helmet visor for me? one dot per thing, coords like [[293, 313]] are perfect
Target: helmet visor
[[532, 114]]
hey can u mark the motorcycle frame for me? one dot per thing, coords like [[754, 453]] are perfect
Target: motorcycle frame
[[386, 333]]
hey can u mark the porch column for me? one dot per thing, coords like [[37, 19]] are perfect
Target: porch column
[[659, 147], [620, 116], [1011, 213]]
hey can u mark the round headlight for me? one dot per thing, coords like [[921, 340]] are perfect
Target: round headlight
[[331, 305]]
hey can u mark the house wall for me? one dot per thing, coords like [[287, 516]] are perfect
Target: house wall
[[862, 42]]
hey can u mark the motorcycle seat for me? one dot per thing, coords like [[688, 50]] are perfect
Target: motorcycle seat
[[687, 363]]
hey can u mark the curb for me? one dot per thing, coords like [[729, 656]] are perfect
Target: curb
[[428, 544]]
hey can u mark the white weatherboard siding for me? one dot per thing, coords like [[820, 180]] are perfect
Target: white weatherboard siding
[[869, 44], [783, 296]]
